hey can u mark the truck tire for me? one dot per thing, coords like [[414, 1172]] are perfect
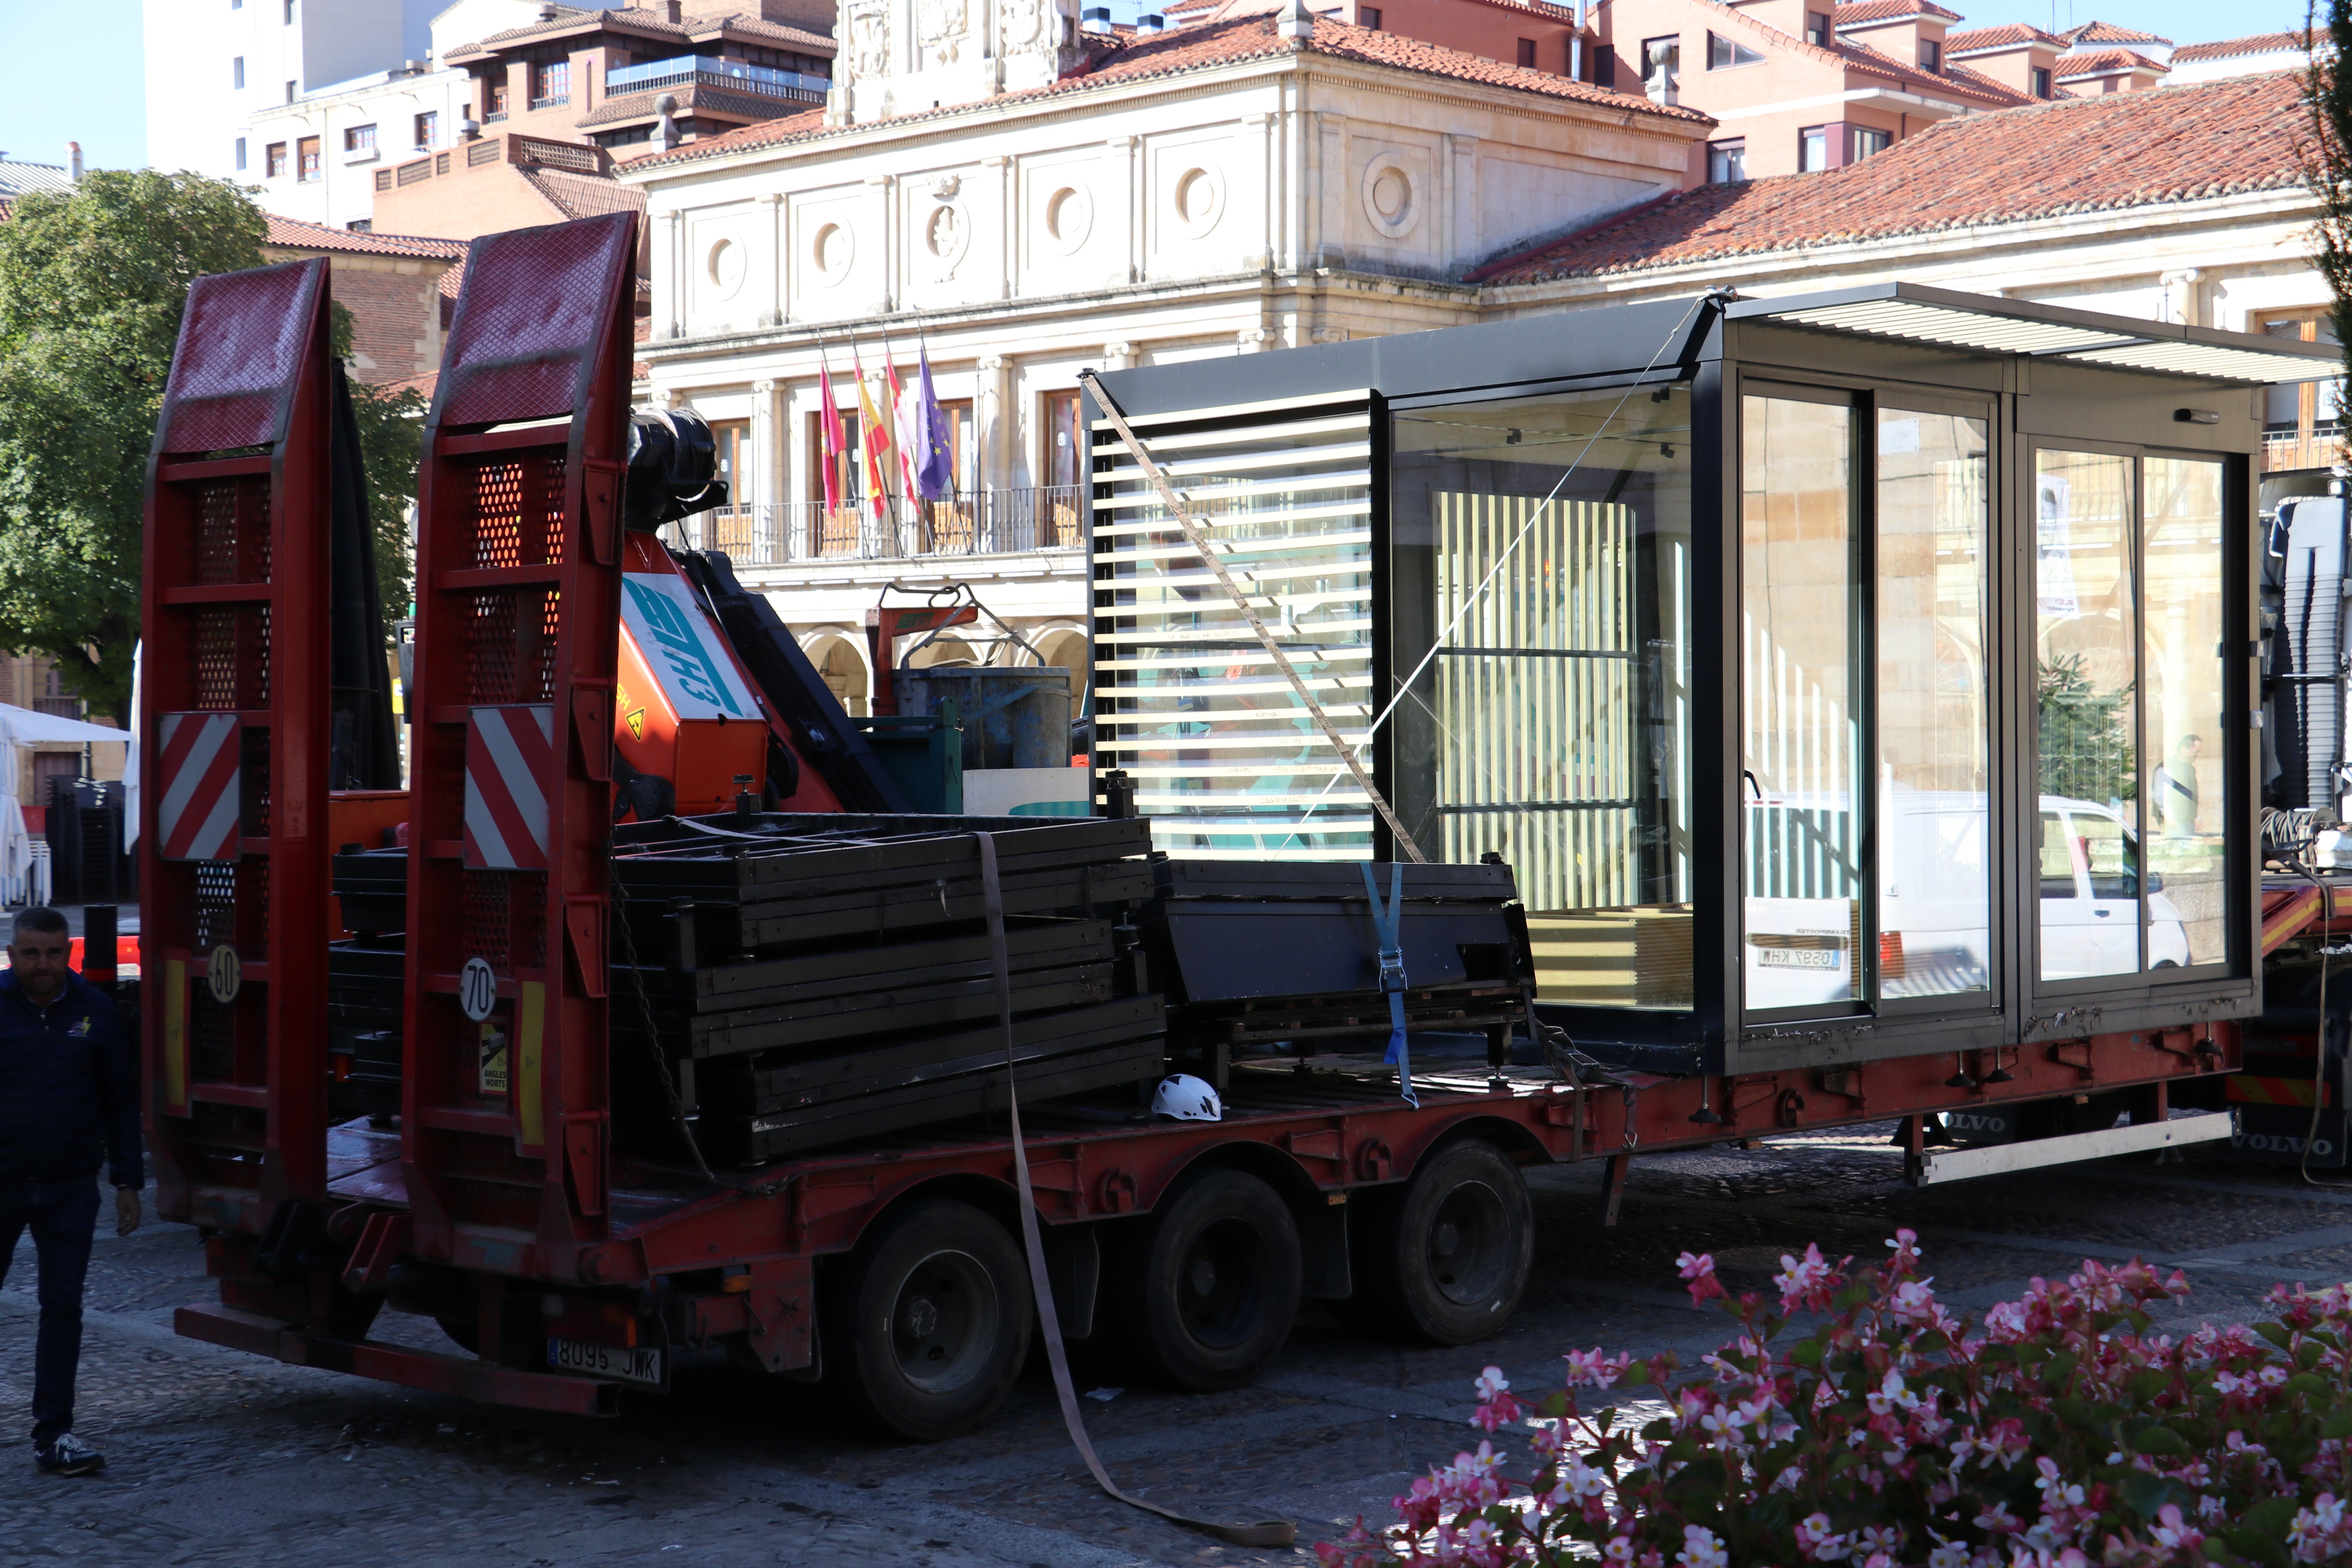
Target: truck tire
[[928, 1326], [1446, 1257], [1205, 1291]]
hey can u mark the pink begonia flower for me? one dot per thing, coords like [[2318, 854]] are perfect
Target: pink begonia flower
[[1701, 1549], [2174, 1533], [1799, 1281], [1949, 1554], [2320, 1532], [1618, 1549], [1698, 1267], [1996, 1518], [1891, 1395], [1817, 1541], [1593, 1369]]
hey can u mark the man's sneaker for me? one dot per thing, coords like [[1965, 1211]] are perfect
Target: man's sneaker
[[68, 1455]]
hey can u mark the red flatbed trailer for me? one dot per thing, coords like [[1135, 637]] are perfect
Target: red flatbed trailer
[[1319, 1131], [504, 1211]]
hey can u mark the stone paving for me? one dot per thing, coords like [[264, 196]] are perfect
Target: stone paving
[[220, 1458]]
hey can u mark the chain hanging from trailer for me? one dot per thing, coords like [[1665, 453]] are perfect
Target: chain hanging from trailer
[[505, 1128], [235, 711]]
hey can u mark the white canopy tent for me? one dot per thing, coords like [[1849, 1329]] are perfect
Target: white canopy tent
[[24, 727]]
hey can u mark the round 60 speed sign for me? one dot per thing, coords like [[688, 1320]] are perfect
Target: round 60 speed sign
[[478, 989]]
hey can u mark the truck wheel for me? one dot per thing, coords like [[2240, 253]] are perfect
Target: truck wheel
[[1447, 1258], [928, 1326], [1210, 1285]]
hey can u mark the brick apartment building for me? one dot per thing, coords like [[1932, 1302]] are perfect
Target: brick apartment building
[[394, 285]]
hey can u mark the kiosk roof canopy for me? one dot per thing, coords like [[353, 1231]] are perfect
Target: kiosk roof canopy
[[1949, 318]]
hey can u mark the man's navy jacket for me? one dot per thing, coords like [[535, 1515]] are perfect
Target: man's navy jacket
[[69, 1086]]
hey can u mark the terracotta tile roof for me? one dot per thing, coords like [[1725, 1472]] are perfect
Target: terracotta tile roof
[[585, 196], [2231, 48], [2105, 62], [1857, 12], [1953, 79], [2108, 33], [1202, 48], [296, 234], [2009, 36], [2124, 150], [712, 99]]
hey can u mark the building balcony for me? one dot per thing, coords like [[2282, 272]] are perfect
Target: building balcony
[[702, 70], [555, 101], [2285, 450], [970, 523]]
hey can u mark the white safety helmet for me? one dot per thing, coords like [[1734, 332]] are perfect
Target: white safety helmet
[[1187, 1098]]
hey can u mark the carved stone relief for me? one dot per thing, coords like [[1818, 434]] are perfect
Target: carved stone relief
[[942, 27]]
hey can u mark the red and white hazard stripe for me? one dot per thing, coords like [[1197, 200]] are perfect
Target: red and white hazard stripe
[[509, 759], [196, 819]]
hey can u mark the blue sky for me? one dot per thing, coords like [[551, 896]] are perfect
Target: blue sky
[[99, 100]]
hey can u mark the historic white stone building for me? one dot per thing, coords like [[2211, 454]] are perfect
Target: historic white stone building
[[1023, 202]]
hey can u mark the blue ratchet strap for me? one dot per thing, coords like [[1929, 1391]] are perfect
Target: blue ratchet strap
[[1387, 926]]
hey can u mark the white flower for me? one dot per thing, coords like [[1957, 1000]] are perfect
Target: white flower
[[1701, 1549]]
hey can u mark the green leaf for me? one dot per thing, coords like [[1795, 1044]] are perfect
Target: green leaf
[[2307, 1354], [1808, 1353], [2248, 1541], [2339, 1424], [2161, 1439], [2146, 1386], [2144, 1493], [2275, 1332], [2272, 1516], [2310, 1384], [2060, 1367]]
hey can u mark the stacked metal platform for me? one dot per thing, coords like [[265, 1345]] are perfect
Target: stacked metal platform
[[1257, 953], [784, 982]]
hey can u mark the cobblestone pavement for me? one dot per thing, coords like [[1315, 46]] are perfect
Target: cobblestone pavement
[[220, 1458]]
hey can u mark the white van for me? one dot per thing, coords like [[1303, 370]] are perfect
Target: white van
[[1799, 951]]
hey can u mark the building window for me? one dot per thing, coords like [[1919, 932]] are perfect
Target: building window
[[1866, 142], [306, 153], [240, 155], [293, 88], [1817, 28], [1812, 148], [1931, 55], [1527, 52], [361, 225], [2040, 80], [1662, 55], [428, 128], [2302, 425], [290, 13], [1368, 16], [274, 161], [551, 83], [494, 101], [236, 73], [359, 139], [1063, 459], [1723, 53], [1726, 161]]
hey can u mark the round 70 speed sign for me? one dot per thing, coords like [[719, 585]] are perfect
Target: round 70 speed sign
[[478, 989]]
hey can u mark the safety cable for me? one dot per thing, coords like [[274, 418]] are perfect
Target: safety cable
[[1266, 1533], [1713, 297]]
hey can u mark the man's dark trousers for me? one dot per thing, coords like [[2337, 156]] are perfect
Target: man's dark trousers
[[63, 1217]]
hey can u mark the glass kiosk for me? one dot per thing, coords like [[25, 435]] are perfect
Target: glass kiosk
[[1845, 676]]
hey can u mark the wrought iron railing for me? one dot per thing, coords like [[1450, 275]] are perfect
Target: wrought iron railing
[[971, 522], [703, 70]]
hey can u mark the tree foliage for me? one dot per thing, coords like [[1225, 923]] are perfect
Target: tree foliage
[[392, 440], [2086, 738], [91, 288]]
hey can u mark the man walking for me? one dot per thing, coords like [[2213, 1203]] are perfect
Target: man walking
[[69, 1091]]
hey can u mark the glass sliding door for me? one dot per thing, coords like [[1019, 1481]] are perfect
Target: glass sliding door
[[1934, 729], [1802, 570], [2088, 695], [1541, 619], [2182, 643]]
